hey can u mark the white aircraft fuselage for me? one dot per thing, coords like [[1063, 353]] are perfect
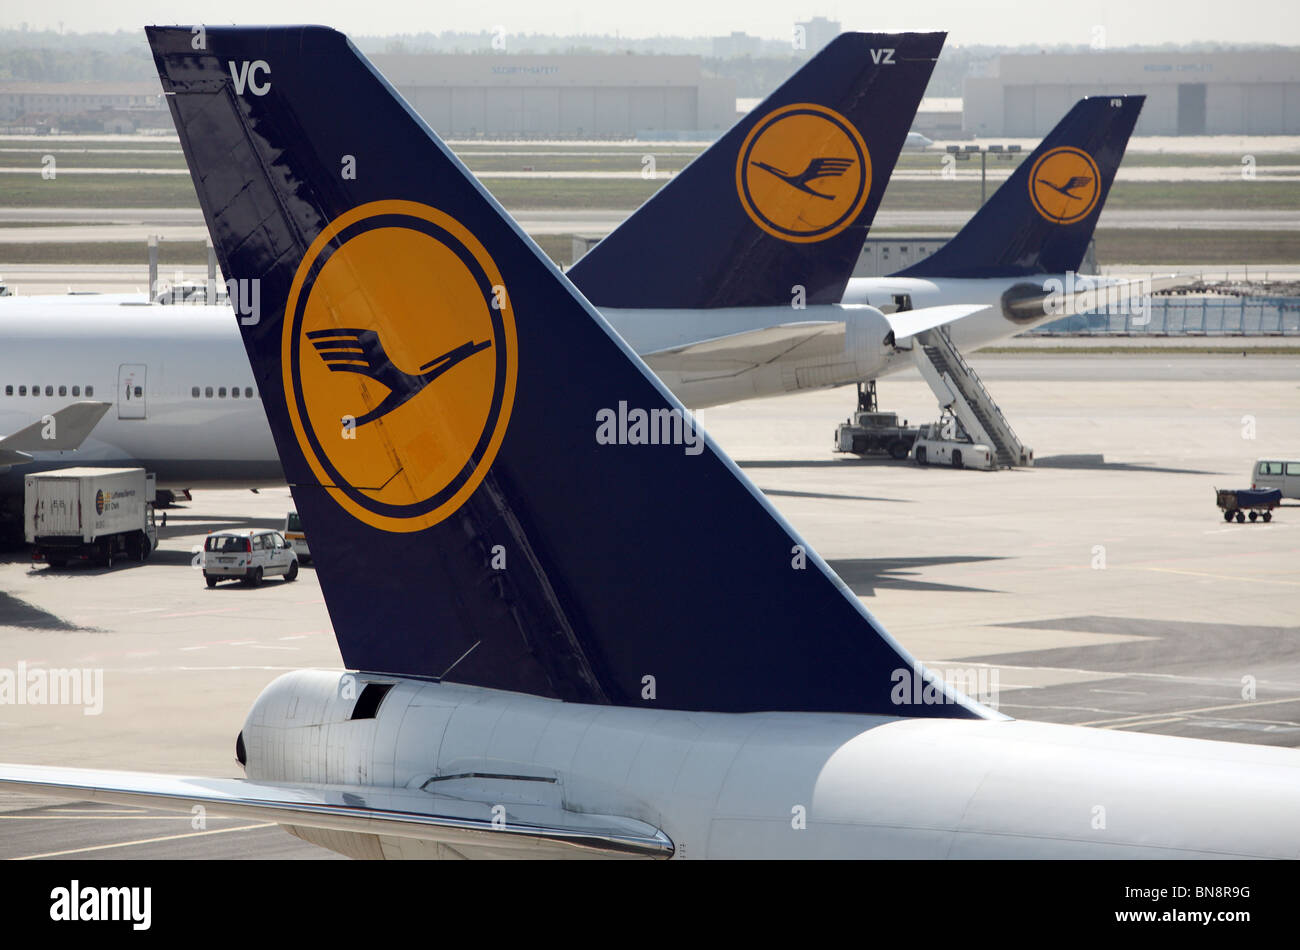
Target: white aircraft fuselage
[[113, 343], [777, 785]]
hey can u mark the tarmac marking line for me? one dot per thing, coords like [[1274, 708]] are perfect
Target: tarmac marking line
[[128, 844]]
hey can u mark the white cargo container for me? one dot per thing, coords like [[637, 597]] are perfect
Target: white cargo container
[[95, 514]]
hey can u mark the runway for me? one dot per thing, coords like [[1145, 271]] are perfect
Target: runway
[[60, 225], [1101, 587]]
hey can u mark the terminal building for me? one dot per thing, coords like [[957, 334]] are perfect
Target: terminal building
[[569, 96], [1255, 92]]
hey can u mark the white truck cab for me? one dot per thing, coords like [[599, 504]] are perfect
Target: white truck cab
[[941, 443]]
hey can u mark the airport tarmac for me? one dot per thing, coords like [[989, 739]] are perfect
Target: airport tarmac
[[1101, 587]]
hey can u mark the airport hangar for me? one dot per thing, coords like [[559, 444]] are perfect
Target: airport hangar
[[1254, 92], [565, 96]]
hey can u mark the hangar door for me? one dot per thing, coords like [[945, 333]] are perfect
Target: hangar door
[[1018, 112], [1191, 108]]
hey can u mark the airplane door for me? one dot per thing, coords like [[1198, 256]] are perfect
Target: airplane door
[[131, 391]]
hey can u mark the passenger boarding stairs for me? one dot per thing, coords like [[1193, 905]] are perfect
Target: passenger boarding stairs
[[958, 388]]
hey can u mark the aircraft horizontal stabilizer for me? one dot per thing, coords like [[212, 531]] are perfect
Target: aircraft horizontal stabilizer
[[63, 431], [1031, 301], [907, 323], [750, 348], [460, 823], [810, 339]]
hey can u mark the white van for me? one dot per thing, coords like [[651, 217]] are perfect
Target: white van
[[1277, 473], [248, 555]]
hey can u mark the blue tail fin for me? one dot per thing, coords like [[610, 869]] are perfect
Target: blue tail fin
[[497, 491], [784, 198], [1041, 220]]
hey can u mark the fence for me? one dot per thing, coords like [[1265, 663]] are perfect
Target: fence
[[1188, 316]]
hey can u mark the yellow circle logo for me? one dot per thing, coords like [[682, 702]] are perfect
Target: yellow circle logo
[[399, 363], [803, 173], [1064, 185]]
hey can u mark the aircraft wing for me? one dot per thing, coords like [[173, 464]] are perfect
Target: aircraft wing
[[737, 352], [741, 351], [462, 816], [67, 429]]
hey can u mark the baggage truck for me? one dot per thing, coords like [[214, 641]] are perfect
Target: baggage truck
[[90, 514]]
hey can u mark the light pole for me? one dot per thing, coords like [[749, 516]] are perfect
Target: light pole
[[962, 153]]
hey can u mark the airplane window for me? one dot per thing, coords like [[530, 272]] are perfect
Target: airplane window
[[221, 393], [9, 390], [36, 390], [234, 392], [139, 391], [63, 390], [208, 392], [90, 390], [195, 392], [248, 392], [76, 390], [49, 390], [22, 390]]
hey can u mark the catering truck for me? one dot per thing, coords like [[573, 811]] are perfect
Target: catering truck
[[90, 514]]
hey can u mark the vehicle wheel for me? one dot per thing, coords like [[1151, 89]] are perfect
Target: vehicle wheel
[[1267, 516], [58, 564], [292, 573], [142, 549], [1241, 516], [920, 456], [1227, 515], [898, 450], [1254, 515], [257, 577], [108, 558], [211, 581], [956, 460]]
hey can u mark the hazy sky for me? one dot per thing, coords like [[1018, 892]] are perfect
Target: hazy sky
[[1125, 22]]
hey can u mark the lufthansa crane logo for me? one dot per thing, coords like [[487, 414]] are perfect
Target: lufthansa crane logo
[[99, 502], [803, 173], [399, 363], [1064, 185]]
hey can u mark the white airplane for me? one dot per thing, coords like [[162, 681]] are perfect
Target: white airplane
[[559, 646], [181, 397]]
